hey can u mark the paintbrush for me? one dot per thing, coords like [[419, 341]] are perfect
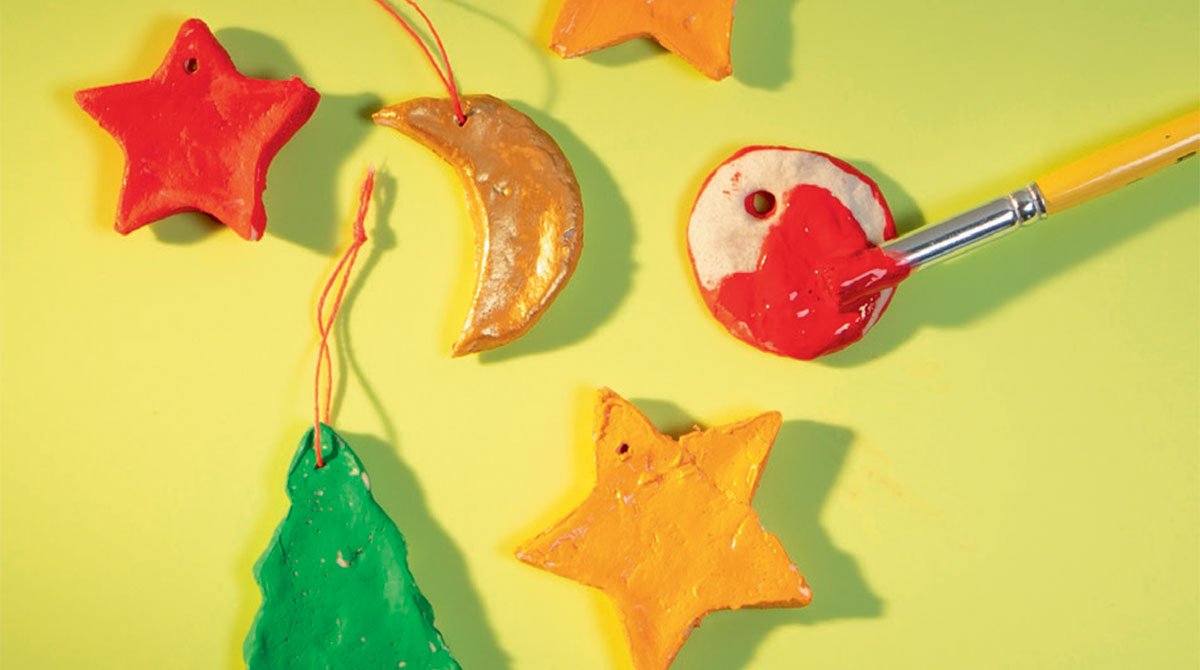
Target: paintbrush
[[1106, 170]]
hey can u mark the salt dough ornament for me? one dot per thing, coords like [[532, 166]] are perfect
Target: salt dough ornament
[[337, 591], [766, 223], [524, 203], [198, 135], [668, 532], [696, 31], [522, 197]]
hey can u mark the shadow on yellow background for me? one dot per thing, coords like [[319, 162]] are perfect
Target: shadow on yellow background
[[435, 560], [301, 196], [800, 474]]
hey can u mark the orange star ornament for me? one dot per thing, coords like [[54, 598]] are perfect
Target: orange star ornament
[[695, 30], [668, 532]]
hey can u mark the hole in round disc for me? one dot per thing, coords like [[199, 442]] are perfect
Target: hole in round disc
[[191, 65], [760, 204], [623, 449]]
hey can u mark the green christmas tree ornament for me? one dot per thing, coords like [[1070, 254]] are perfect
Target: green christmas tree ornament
[[337, 592]]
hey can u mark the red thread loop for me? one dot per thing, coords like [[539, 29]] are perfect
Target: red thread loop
[[447, 77], [325, 323]]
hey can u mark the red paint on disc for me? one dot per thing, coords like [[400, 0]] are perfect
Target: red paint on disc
[[789, 303]]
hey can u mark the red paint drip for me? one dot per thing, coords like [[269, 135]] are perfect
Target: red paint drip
[[792, 304], [447, 77], [325, 322]]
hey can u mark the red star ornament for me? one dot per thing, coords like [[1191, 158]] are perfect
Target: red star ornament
[[198, 135]]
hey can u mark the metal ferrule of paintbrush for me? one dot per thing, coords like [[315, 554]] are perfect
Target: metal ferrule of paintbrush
[[969, 229]]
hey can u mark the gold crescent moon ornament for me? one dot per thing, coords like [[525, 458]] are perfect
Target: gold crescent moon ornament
[[523, 200]]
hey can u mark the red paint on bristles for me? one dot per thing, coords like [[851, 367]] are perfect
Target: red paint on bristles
[[865, 274], [325, 322], [447, 77]]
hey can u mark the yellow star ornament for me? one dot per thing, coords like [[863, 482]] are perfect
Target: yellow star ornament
[[695, 30], [668, 532]]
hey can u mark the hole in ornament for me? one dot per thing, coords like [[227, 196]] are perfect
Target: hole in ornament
[[191, 65], [623, 449], [760, 204]]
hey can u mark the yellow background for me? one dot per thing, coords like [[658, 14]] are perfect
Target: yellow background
[[1003, 474]]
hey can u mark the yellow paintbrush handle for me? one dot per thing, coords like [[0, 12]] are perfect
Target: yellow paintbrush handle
[[1121, 164]]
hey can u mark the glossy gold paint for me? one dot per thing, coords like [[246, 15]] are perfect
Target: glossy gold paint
[[524, 203]]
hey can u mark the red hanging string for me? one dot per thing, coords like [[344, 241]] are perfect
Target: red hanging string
[[325, 322], [447, 77]]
